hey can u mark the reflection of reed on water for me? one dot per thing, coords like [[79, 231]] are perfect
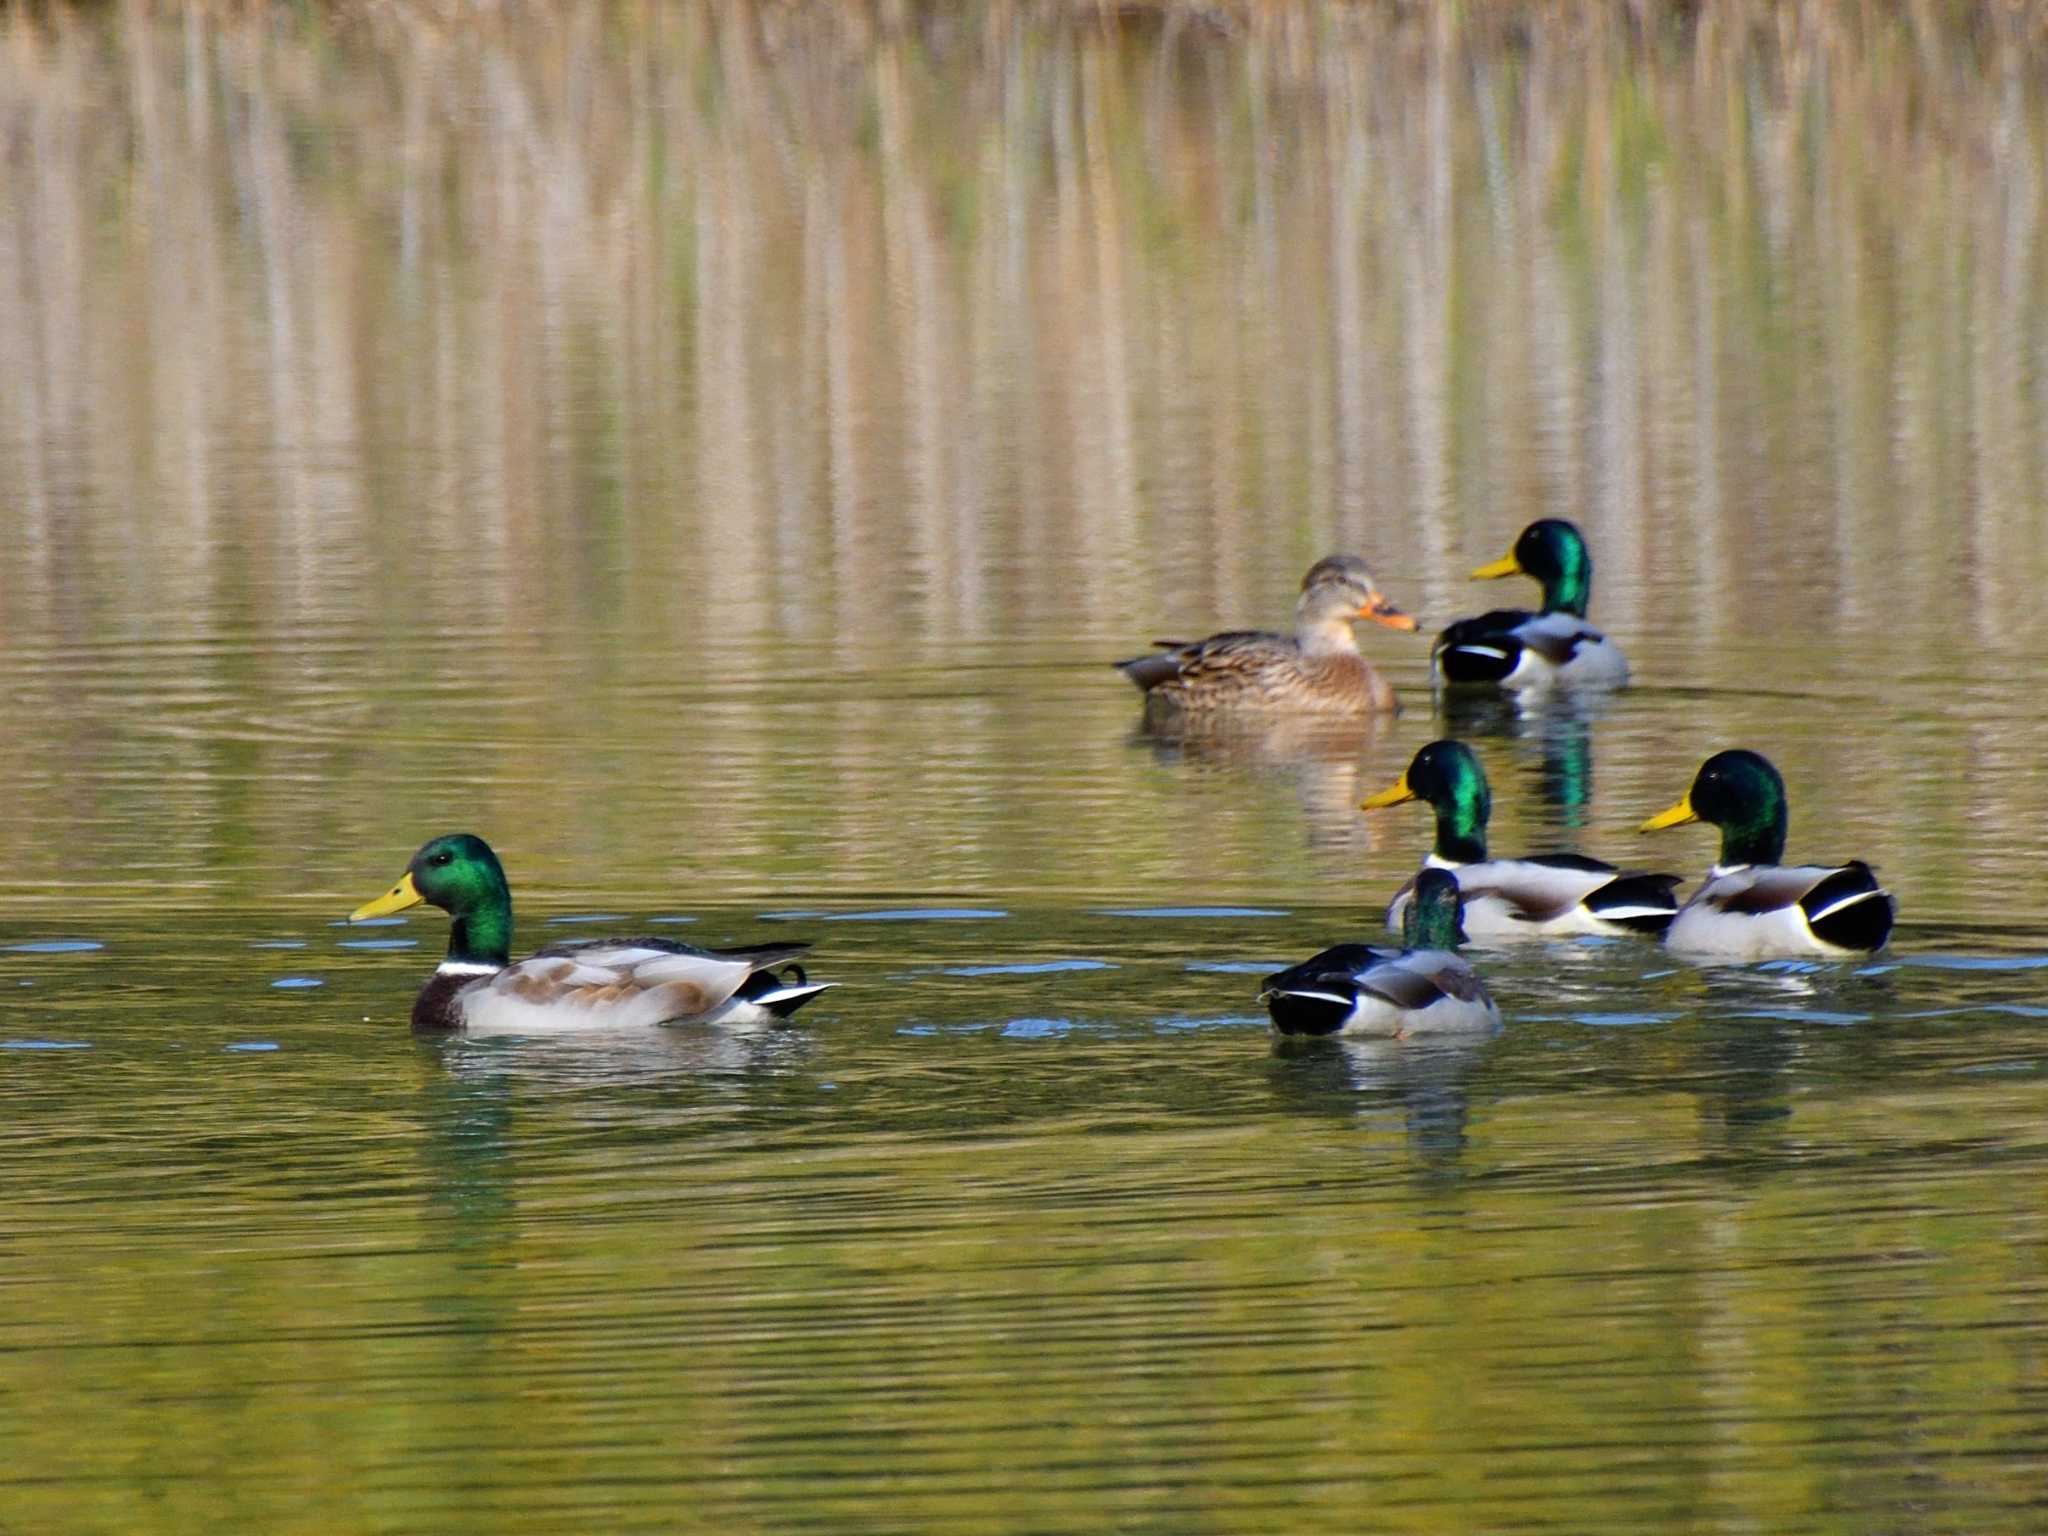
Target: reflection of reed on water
[[626, 331]]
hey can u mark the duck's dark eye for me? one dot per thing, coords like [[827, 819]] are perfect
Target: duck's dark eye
[[443, 857]]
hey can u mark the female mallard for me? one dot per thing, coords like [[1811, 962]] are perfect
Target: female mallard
[[1518, 649], [1540, 896], [590, 984], [1421, 989], [1316, 671], [1751, 906]]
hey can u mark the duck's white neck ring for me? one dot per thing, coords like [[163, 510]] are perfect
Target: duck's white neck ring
[[466, 968]]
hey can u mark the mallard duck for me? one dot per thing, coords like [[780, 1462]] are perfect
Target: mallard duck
[[1422, 988], [1316, 671], [588, 984], [1751, 906], [1517, 649], [1543, 895]]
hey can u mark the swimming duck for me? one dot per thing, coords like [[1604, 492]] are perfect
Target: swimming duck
[[1517, 649], [1751, 906], [1318, 670], [1422, 988], [588, 984], [1543, 895]]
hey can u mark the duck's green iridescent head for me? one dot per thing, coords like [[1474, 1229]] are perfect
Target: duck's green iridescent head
[[1435, 918], [1554, 552], [1446, 774], [459, 874], [1742, 794]]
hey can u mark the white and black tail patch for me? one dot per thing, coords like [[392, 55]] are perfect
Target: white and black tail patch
[[1482, 649], [781, 993], [1849, 910], [1641, 903], [1479, 662], [1308, 1013]]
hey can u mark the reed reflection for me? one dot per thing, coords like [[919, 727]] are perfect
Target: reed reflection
[[1330, 765], [904, 333]]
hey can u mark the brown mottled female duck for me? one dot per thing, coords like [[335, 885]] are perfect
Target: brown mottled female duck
[[1315, 671]]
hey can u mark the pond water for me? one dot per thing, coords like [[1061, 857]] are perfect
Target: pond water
[[715, 453]]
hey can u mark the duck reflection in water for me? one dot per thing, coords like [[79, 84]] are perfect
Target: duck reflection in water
[[720, 1064], [1420, 1085], [1330, 763], [1555, 729]]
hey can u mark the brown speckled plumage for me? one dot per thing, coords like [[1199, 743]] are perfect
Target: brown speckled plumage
[[1317, 670]]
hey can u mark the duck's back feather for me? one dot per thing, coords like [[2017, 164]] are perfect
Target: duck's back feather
[[1759, 912], [1249, 669], [1555, 895], [1519, 649], [615, 984], [1358, 989]]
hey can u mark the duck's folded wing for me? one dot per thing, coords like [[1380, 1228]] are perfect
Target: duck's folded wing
[[1412, 982], [1545, 887], [1556, 637], [629, 983], [1490, 648], [1540, 890], [1448, 973], [1238, 653], [1334, 972]]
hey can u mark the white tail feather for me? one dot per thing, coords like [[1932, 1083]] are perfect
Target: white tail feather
[[1835, 906]]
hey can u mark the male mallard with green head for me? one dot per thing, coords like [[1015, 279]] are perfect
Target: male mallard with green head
[[1751, 907], [1540, 896], [1556, 648], [1318, 670], [1424, 988], [587, 984]]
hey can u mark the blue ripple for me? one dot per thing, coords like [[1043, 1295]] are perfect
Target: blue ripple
[[294, 982], [380, 943], [1037, 1029], [45, 1045], [1801, 1015], [1978, 962], [55, 947]]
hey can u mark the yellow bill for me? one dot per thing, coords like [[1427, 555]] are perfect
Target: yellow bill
[[1506, 565], [397, 899], [1393, 794], [1677, 816]]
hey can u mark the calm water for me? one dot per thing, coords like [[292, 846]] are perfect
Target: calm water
[[714, 452]]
